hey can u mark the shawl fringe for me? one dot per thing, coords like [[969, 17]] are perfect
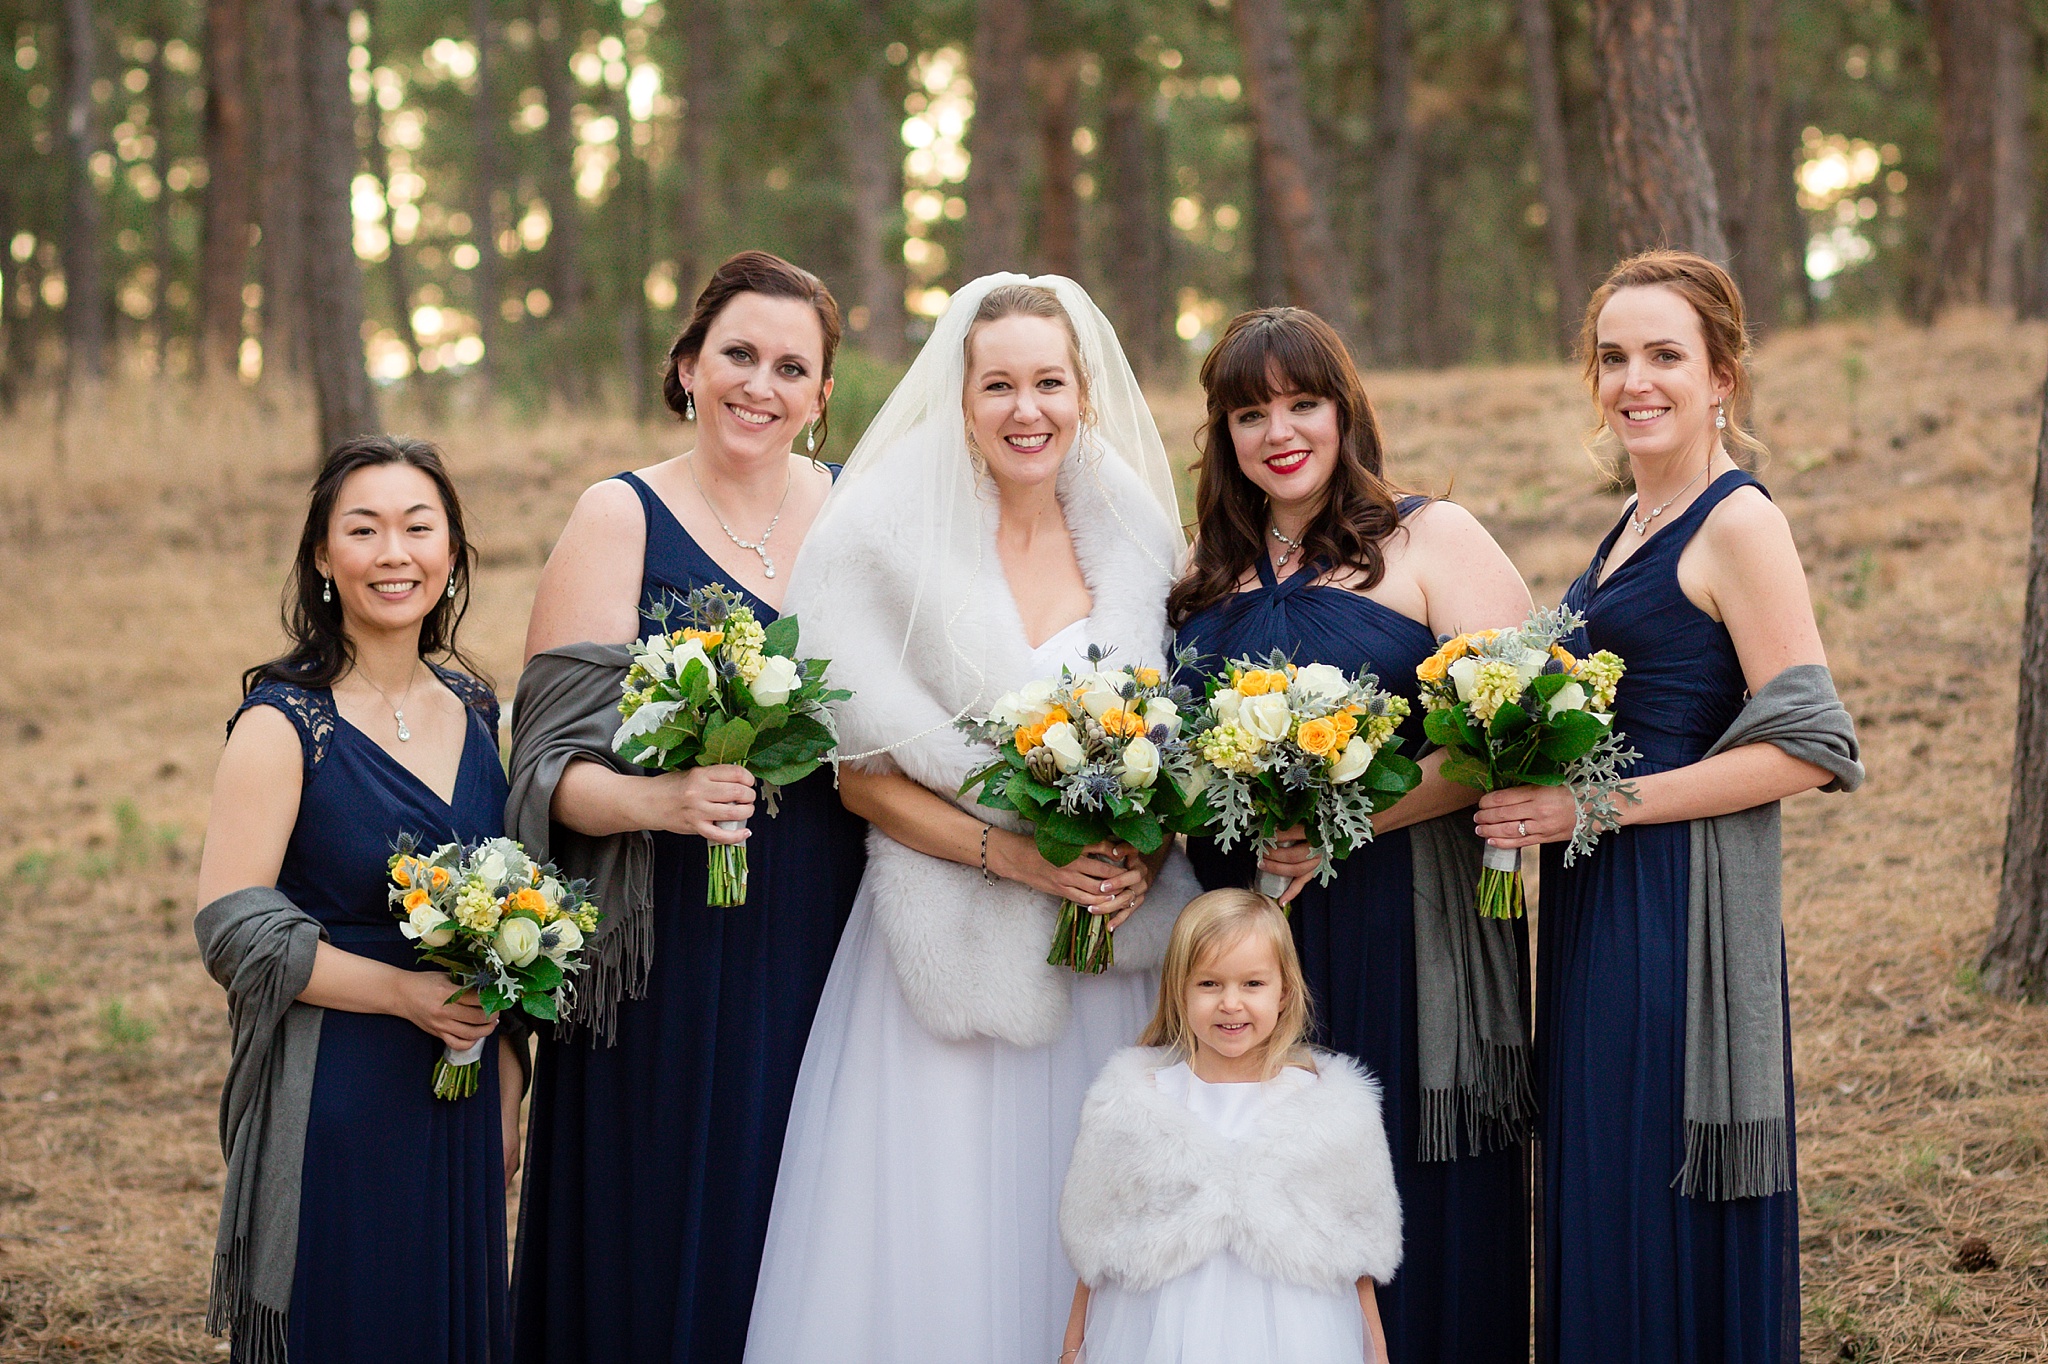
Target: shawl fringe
[[259, 1332], [1725, 1160], [1495, 1102]]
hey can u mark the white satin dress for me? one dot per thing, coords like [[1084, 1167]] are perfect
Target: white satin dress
[[916, 1210]]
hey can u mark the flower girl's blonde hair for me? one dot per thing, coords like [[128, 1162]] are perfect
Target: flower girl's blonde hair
[[1214, 923]]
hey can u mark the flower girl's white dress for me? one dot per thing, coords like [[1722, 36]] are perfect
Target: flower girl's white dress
[[1221, 1311]]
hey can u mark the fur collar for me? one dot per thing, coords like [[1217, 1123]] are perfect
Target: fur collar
[[1153, 1191]]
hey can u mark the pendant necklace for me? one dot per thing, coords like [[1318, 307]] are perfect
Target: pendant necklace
[[1293, 548], [1643, 526], [760, 546], [398, 710]]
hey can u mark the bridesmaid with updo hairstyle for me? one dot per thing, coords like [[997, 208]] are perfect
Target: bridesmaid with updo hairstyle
[[658, 1110], [1670, 1210], [1302, 544]]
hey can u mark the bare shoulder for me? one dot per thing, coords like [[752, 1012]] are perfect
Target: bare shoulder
[[1444, 524], [1747, 520], [264, 743], [590, 588]]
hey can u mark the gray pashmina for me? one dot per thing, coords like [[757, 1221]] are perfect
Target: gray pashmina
[[568, 708], [1737, 1129], [260, 946], [1472, 1041]]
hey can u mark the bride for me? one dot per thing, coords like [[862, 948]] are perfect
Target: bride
[[1010, 506]]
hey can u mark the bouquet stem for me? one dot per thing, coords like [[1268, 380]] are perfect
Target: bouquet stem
[[456, 1072], [1082, 942], [726, 886], [1270, 884], [1500, 883]]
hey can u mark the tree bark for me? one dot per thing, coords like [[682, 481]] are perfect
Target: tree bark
[[1318, 274], [483, 214], [703, 23], [564, 261], [1059, 206], [1660, 181], [1268, 282], [875, 169], [1137, 268], [85, 308], [1553, 163], [1965, 42], [1394, 292], [334, 281], [1760, 261], [2015, 961], [282, 192], [2011, 162], [162, 109], [634, 213], [1714, 86], [224, 261], [397, 278], [998, 139]]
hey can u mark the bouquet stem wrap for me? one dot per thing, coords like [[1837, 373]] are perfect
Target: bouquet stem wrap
[[457, 1072], [1500, 883]]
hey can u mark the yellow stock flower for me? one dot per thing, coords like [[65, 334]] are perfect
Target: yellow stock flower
[[1318, 737]]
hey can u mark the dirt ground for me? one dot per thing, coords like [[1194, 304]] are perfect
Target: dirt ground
[[142, 542]]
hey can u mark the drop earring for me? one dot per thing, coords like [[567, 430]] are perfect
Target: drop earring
[[326, 588], [689, 406], [810, 438], [1720, 418], [451, 587]]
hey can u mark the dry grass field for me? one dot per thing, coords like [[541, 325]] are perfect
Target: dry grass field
[[141, 546]]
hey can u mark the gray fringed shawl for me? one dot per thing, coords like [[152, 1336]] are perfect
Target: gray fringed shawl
[[568, 708], [1472, 1041], [260, 947], [1737, 1129]]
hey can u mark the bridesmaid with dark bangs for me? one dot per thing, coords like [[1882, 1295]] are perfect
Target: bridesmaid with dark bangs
[[1303, 545]]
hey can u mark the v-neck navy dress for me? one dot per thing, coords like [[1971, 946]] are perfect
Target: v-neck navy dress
[[652, 1162], [1633, 1272], [1461, 1294], [401, 1253]]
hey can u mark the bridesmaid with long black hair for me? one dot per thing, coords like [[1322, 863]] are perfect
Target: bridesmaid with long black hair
[[1303, 545], [657, 1118], [1670, 1226], [363, 1217]]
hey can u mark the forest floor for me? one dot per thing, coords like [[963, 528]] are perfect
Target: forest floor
[[143, 543]]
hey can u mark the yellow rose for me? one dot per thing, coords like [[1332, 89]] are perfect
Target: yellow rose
[[1146, 677], [1564, 656], [401, 871], [529, 900], [1346, 723], [1253, 683], [414, 899], [439, 878], [1434, 668], [1029, 737], [710, 639], [1318, 737]]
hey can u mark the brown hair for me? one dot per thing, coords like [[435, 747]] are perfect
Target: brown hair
[[1213, 923], [1718, 304], [1263, 352], [1031, 300], [750, 272]]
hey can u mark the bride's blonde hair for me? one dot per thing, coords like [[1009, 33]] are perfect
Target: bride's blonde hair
[[1212, 924]]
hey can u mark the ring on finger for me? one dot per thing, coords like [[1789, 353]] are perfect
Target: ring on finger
[[1521, 828]]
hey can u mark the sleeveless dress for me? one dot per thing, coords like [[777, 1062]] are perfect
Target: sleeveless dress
[[1459, 1295], [401, 1253], [1221, 1311], [1633, 1271], [651, 1163], [917, 1217]]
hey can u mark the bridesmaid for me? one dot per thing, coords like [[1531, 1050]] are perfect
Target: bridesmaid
[[1699, 588], [353, 737], [655, 1143], [1303, 546]]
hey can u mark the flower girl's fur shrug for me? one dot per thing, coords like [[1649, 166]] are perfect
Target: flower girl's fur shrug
[[971, 956], [1153, 1191]]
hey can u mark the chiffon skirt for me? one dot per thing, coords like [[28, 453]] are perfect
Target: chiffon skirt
[[916, 1211], [1220, 1312]]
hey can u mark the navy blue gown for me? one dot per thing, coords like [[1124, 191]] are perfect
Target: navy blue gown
[[1460, 1296], [402, 1203], [652, 1162], [1633, 1271]]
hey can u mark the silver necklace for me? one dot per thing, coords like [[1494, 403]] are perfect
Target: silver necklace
[[760, 546], [1293, 547], [398, 710], [1643, 526]]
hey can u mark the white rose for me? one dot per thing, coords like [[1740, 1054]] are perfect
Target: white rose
[[429, 926], [1356, 757], [1141, 764], [494, 868], [1531, 665], [1008, 711], [1571, 696], [1321, 683], [1462, 674], [1266, 718], [518, 941], [644, 722], [779, 677], [681, 656], [1098, 693], [1160, 711], [1065, 746], [561, 938], [1197, 782], [1225, 703]]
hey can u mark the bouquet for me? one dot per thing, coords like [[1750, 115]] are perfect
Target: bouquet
[[721, 689], [1282, 746], [499, 923], [1087, 758], [1515, 708]]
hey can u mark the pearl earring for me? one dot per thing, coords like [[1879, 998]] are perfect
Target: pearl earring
[[1720, 418], [326, 588], [810, 438], [451, 587], [689, 406]]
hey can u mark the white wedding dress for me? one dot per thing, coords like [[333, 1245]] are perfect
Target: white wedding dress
[[916, 1210]]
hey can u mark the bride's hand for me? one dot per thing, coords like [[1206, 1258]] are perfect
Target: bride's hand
[[1107, 878]]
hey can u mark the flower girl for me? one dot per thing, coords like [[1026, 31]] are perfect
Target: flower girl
[[1231, 1197]]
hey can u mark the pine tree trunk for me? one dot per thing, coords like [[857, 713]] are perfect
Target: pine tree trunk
[[633, 207], [12, 333], [397, 278], [1268, 281], [2012, 178], [1318, 274], [1660, 181], [1714, 86], [283, 192], [1394, 294], [2015, 961], [334, 281], [1966, 42], [483, 214], [1553, 161], [85, 306], [874, 162], [1136, 267], [1760, 264], [161, 112], [224, 261], [998, 139], [1059, 207], [704, 24], [558, 186]]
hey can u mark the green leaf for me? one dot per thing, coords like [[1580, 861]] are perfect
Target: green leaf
[[1441, 728], [543, 973], [985, 776], [787, 776], [781, 637], [1392, 772], [1076, 829], [695, 683], [1466, 770], [1571, 735], [768, 719], [495, 999], [1054, 850], [1509, 723], [1140, 830], [539, 1004], [1547, 685], [728, 742], [801, 738]]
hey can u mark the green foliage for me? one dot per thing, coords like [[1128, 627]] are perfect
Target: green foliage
[[121, 1031]]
